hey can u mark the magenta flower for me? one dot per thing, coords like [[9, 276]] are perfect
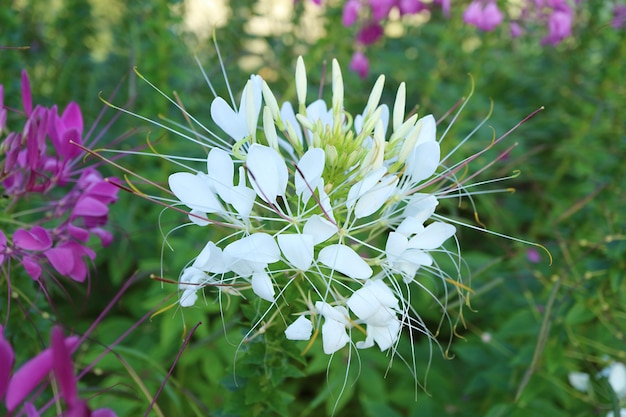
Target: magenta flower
[[369, 34], [411, 6], [618, 22], [15, 388], [350, 12], [381, 8], [43, 159], [559, 27], [485, 16], [360, 64]]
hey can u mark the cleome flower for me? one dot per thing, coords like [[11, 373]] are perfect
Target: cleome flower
[[53, 203], [327, 217]]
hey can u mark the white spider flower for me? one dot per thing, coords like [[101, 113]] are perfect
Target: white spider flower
[[322, 214]]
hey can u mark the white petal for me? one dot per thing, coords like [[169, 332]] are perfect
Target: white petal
[[204, 257], [242, 199], [262, 286], [385, 336], [344, 259], [298, 249], [421, 206], [423, 161], [210, 259], [579, 380], [188, 298], [417, 257], [220, 168], [287, 115], [258, 247], [410, 226], [334, 336], [428, 129], [318, 111], [228, 119], [397, 243], [617, 379], [374, 199], [336, 313], [194, 191], [319, 228], [433, 236], [199, 217], [311, 166], [267, 172], [368, 300], [363, 186], [301, 329], [191, 278]]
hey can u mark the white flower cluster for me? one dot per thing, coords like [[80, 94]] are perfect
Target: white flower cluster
[[317, 200]]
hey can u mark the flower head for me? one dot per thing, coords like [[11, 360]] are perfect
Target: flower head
[[324, 214], [16, 387], [67, 202], [325, 217]]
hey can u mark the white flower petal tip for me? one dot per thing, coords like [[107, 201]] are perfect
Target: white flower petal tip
[[195, 192], [297, 249], [259, 248], [308, 175], [262, 286], [617, 378], [342, 258], [334, 330], [423, 161], [579, 380], [188, 298], [267, 171], [433, 236], [319, 228], [334, 336], [301, 329]]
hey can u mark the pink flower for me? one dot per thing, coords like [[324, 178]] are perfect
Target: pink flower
[[16, 387], [381, 8], [485, 17], [68, 259], [618, 22], [445, 6], [35, 239], [360, 64], [42, 159], [411, 6], [559, 26], [516, 30], [350, 12], [369, 34]]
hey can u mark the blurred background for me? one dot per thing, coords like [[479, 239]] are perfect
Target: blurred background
[[530, 323]]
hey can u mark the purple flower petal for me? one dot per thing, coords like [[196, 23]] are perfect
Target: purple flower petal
[[105, 236], [62, 259], [7, 359], [63, 367], [30, 375], [89, 207], [36, 238], [360, 64], [72, 118], [32, 267], [31, 411], [103, 412], [27, 98]]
